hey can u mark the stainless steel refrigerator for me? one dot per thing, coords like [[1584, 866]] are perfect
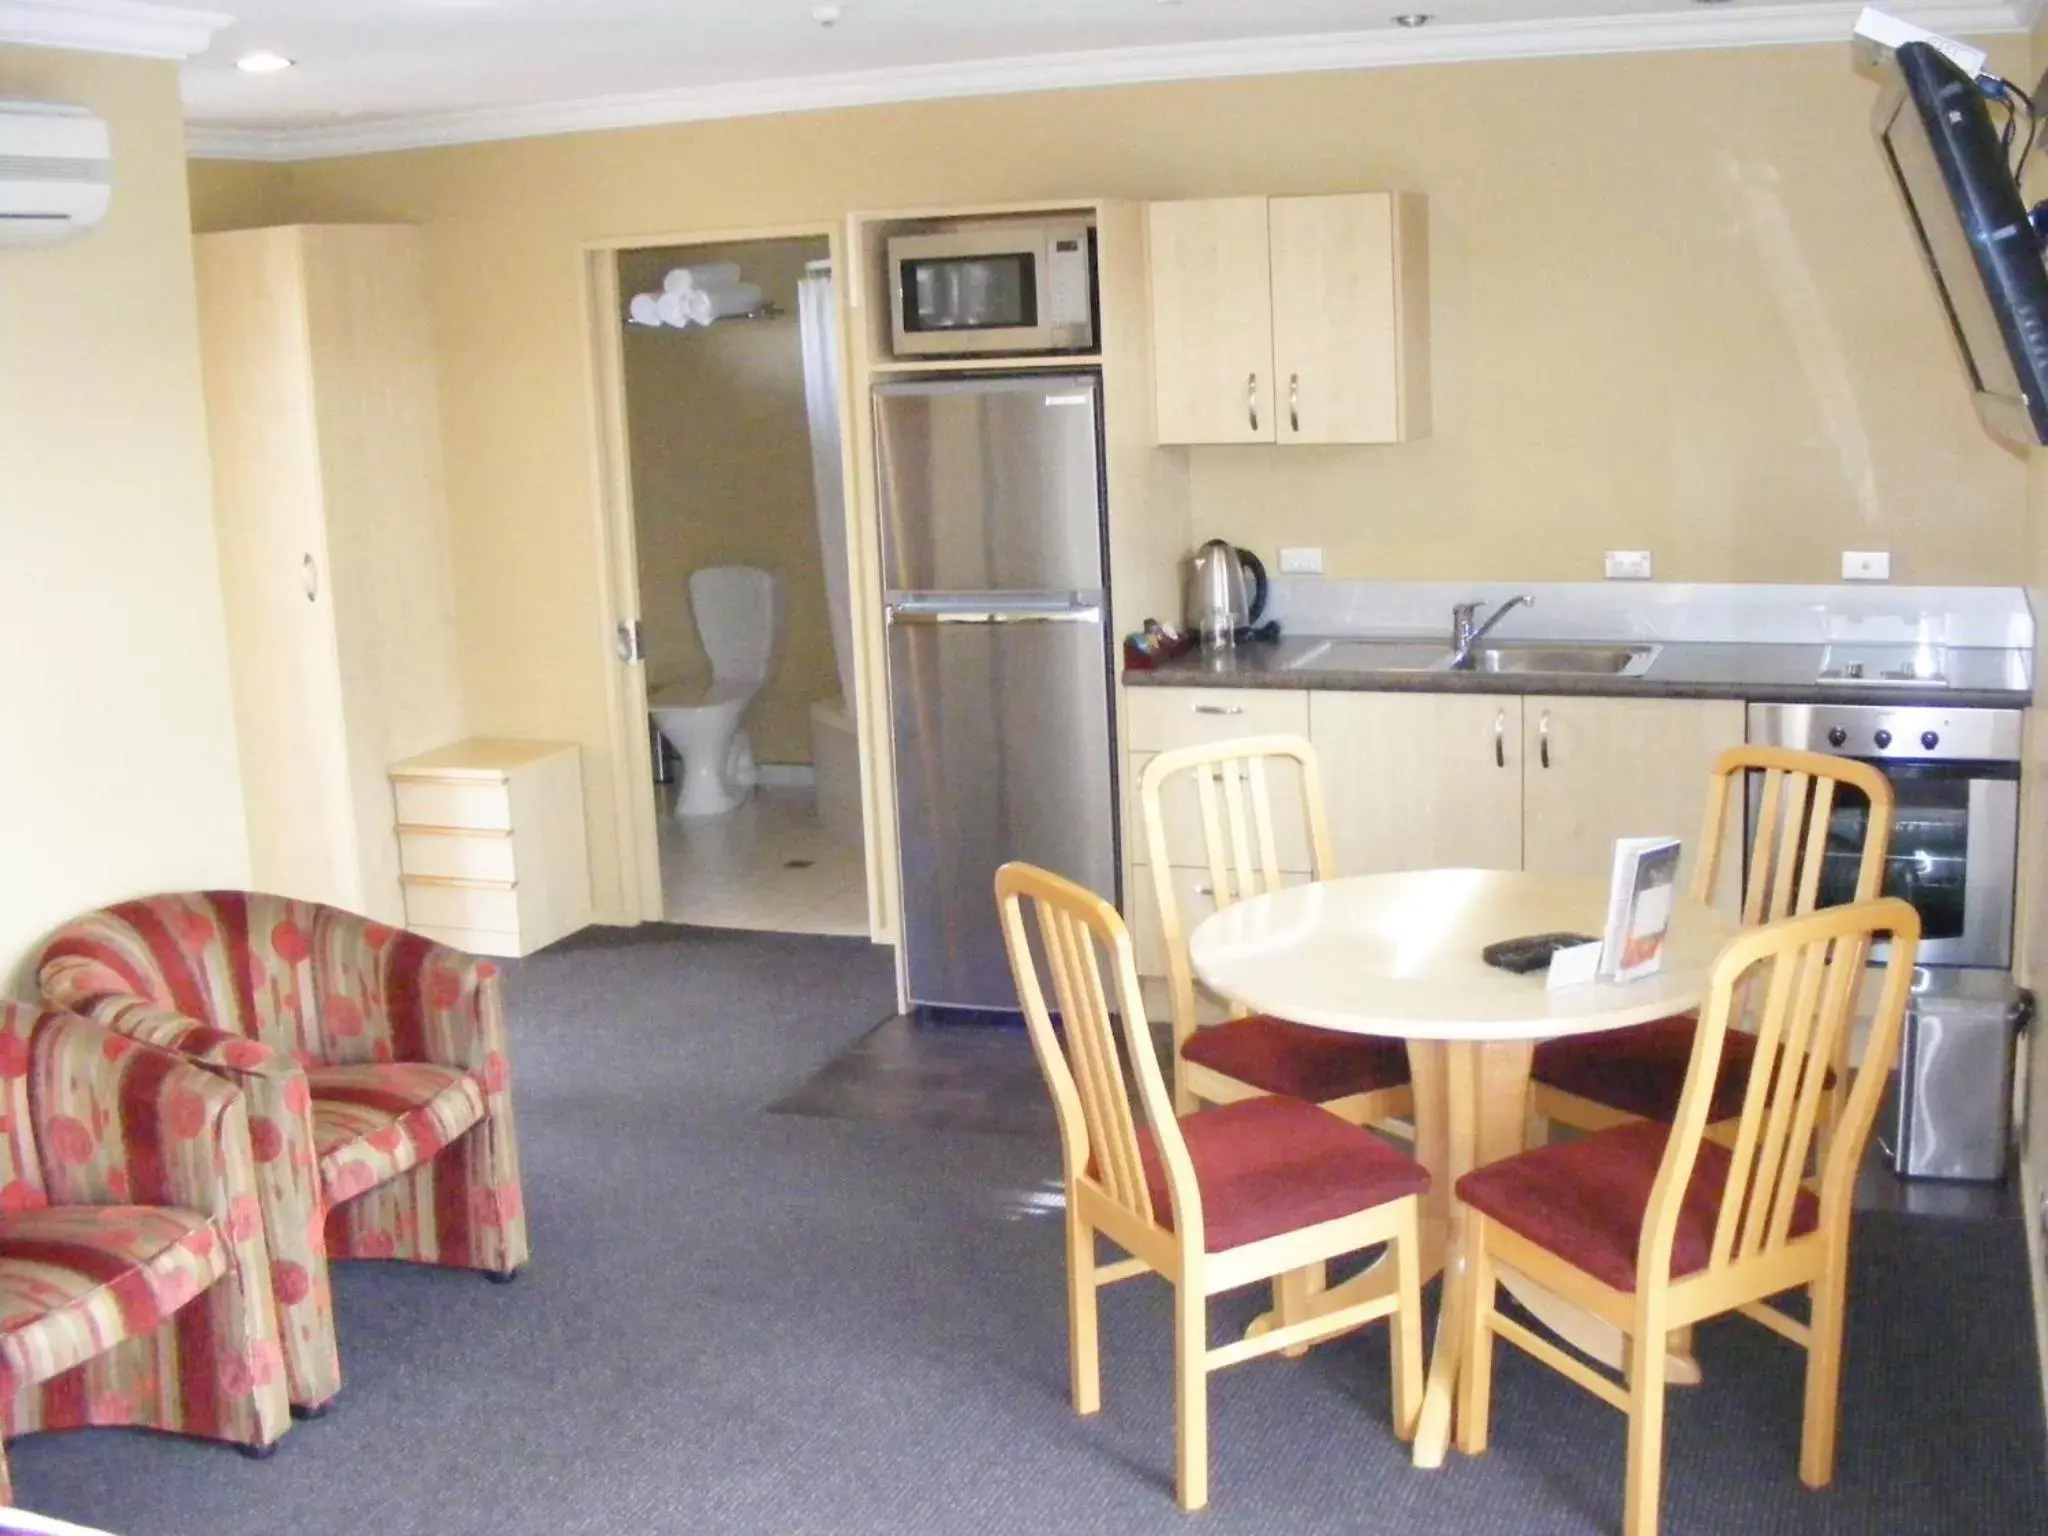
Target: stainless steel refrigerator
[[993, 566]]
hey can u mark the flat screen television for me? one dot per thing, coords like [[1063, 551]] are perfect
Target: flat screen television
[[1934, 127]]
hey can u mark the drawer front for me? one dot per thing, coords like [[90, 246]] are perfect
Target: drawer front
[[1180, 809], [457, 855], [445, 803], [1161, 718], [436, 905]]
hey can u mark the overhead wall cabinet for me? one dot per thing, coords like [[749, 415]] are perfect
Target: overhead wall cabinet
[[324, 423], [1290, 319]]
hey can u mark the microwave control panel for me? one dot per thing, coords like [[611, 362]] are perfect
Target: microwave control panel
[[1069, 288]]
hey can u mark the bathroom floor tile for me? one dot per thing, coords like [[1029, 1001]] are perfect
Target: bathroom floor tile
[[770, 864]]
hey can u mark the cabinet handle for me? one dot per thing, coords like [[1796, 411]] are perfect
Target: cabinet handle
[[310, 575], [1543, 738], [1294, 401], [1218, 709], [1251, 399], [1500, 738]]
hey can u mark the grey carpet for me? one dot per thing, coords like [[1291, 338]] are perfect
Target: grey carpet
[[748, 1322]]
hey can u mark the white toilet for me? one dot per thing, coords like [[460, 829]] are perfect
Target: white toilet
[[738, 613]]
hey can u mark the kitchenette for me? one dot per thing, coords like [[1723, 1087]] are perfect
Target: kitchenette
[[1493, 726]]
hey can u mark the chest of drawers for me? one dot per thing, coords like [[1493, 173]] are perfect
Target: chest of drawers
[[491, 849]]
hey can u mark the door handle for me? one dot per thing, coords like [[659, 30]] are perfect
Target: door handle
[[1500, 738], [1218, 709], [1251, 399], [1294, 401], [309, 575], [1543, 738], [899, 615]]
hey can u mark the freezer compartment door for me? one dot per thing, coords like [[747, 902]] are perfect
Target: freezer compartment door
[[990, 485], [1003, 751]]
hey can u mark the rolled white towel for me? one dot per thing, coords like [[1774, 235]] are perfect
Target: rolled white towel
[[710, 274], [645, 309], [673, 309], [697, 306], [733, 298]]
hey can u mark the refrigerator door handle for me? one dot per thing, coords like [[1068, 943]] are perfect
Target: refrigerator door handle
[[898, 614]]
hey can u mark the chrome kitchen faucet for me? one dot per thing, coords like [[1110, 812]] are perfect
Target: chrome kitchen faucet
[[1465, 634]]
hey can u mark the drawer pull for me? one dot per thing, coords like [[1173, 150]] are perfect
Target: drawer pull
[[1543, 738], [1219, 709]]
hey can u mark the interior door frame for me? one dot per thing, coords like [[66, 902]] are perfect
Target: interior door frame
[[633, 792]]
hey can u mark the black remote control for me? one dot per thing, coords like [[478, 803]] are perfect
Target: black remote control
[[1532, 953]]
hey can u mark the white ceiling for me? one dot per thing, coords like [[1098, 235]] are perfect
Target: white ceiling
[[383, 73]]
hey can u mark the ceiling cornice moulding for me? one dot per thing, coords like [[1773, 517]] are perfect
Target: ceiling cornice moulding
[[1670, 32], [109, 26]]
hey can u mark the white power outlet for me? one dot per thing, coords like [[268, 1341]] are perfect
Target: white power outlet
[[1301, 562], [1866, 565], [1628, 565]]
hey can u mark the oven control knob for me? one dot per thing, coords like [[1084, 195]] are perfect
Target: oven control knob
[[1929, 740], [1837, 736], [1883, 739]]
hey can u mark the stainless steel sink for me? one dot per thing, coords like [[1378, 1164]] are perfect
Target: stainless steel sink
[[1560, 660]]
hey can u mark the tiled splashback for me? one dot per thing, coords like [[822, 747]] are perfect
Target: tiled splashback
[[1673, 611]]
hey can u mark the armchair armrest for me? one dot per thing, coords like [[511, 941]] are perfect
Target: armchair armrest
[[440, 1005], [124, 1123]]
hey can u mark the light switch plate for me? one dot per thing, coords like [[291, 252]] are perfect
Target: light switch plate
[[1628, 565], [1299, 561], [1866, 565]]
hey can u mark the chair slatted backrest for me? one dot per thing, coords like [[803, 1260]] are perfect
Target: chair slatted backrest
[[1084, 1062], [1805, 974], [1241, 845], [1788, 843]]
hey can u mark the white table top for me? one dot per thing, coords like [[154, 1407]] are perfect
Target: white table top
[[1399, 955]]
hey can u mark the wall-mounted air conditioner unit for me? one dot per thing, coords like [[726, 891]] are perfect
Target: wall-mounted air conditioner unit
[[56, 172]]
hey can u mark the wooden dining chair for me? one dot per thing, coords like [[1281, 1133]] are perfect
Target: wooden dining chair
[[1655, 1227], [1246, 1192], [1593, 1082], [1226, 791]]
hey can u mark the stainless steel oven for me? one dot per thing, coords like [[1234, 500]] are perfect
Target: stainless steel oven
[[1955, 829]]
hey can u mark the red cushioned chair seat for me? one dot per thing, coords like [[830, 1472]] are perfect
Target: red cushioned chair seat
[[1641, 1070], [1267, 1166], [1298, 1060], [1584, 1200]]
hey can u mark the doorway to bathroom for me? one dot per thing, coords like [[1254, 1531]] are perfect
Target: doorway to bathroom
[[729, 427]]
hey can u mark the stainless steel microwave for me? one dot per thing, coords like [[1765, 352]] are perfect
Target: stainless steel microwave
[[993, 289]]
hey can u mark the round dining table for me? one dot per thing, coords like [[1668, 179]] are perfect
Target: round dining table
[[1399, 955]]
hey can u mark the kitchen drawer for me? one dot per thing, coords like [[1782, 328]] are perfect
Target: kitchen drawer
[[457, 904], [1162, 718], [472, 941], [483, 806], [1181, 811], [457, 855]]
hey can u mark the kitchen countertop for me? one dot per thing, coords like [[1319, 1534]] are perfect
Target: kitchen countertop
[[1978, 677]]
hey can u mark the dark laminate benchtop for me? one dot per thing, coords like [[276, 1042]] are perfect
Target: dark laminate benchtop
[[1978, 677]]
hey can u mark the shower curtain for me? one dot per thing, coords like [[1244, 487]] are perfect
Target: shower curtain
[[818, 323]]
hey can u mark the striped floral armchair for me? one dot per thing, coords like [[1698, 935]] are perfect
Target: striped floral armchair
[[375, 1067], [134, 1280]]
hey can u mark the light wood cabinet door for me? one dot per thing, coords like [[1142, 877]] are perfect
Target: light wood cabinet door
[[1599, 769], [1421, 780], [1212, 320], [1336, 342]]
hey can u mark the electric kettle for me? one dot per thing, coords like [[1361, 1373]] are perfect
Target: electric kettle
[[1226, 593]]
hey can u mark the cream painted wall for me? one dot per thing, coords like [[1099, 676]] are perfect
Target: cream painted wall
[[119, 775], [721, 450], [1674, 306]]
